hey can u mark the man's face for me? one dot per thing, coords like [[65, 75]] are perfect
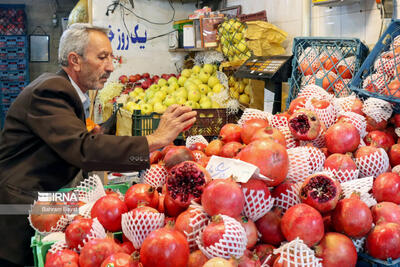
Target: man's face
[[97, 63]]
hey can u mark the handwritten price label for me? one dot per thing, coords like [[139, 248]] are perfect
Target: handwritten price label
[[222, 168]]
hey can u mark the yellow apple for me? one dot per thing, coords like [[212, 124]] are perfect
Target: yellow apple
[[196, 69], [162, 82], [160, 94], [182, 80], [169, 100], [215, 105], [208, 68], [194, 95], [244, 99], [218, 88], [204, 76], [146, 109], [172, 79], [204, 89], [212, 81], [159, 107], [186, 73]]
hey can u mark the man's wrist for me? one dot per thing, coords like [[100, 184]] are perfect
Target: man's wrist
[[154, 142]]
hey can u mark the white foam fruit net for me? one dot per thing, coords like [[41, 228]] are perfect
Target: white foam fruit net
[[58, 246], [326, 115], [296, 254], [85, 210], [198, 220], [291, 141], [251, 113], [344, 104], [256, 203], [279, 122], [232, 243], [361, 186], [348, 62], [343, 176], [373, 164], [359, 243], [155, 176], [377, 109], [195, 139], [97, 231], [304, 161], [374, 83], [137, 225], [90, 189], [313, 90], [59, 227], [288, 199], [397, 131], [396, 169], [306, 80], [357, 120], [197, 155], [385, 65]]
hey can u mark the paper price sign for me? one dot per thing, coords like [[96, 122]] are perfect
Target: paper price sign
[[222, 168]]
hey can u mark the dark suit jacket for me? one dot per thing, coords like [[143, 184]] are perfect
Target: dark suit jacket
[[44, 143]]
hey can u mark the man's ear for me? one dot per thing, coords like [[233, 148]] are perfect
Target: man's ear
[[74, 60]]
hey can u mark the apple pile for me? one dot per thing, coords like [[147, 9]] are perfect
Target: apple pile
[[192, 87], [231, 37], [240, 89]]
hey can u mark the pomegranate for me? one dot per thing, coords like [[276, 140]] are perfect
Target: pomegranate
[[336, 249], [321, 192], [269, 227], [296, 104], [230, 132], [108, 210], [64, 258], [197, 259], [250, 229], [379, 139], [231, 149], [386, 187], [177, 155], [77, 231], [352, 217], [186, 182], [219, 262], [386, 212], [328, 80], [282, 189], [171, 207], [251, 260], [320, 103], [345, 72], [214, 148], [372, 125], [304, 125], [250, 127], [223, 196], [263, 251], [340, 162], [121, 259], [141, 193], [203, 161], [342, 137], [127, 247], [166, 148], [213, 232], [165, 247], [254, 189], [309, 66], [155, 157], [198, 146], [198, 155], [329, 62], [269, 133], [96, 251], [394, 155], [328, 226], [383, 241], [303, 221], [357, 107], [270, 157]]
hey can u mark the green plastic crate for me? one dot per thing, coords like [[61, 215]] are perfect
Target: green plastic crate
[[40, 248]]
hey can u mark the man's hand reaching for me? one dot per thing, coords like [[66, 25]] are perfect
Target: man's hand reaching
[[174, 120]]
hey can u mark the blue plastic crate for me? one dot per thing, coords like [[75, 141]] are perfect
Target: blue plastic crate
[[3, 53], [365, 260], [3, 41], [3, 64], [317, 51], [380, 68]]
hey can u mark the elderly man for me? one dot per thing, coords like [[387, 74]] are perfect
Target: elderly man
[[45, 143]]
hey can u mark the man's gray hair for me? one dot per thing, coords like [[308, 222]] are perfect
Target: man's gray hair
[[75, 39]]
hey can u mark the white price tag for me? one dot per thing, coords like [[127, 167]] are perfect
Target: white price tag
[[222, 168]]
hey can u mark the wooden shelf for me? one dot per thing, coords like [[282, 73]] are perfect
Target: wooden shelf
[[190, 49]]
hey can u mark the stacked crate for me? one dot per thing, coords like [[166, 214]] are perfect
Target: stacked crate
[[14, 63]]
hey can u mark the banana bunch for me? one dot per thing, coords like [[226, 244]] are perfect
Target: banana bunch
[[232, 42], [240, 89]]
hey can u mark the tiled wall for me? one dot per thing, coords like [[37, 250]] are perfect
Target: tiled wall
[[360, 20]]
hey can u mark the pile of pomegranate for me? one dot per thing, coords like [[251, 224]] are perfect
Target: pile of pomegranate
[[307, 157]]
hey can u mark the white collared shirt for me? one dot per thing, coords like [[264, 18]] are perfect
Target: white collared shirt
[[83, 96]]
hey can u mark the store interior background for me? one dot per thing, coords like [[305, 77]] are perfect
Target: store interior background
[[360, 20]]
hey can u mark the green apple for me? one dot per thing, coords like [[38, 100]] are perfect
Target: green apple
[[180, 100], [191, 104], [164, 89], [208, 68], [182, 80], [149, 94], [162, 82], [204, 76], [218, 88], [196, 69], [188, 82], [172, 79], [146, 109], [204, 98], [138, 90], [159, 107], [192, 87], [172, 89], [204, 89], [194, 95], [197, 81], [130, 106], [194, 76], [181, 92], [206, 104], [169, 100], [186, 73], [160, 94], [213, 80], [154, 100], [154, 87]]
